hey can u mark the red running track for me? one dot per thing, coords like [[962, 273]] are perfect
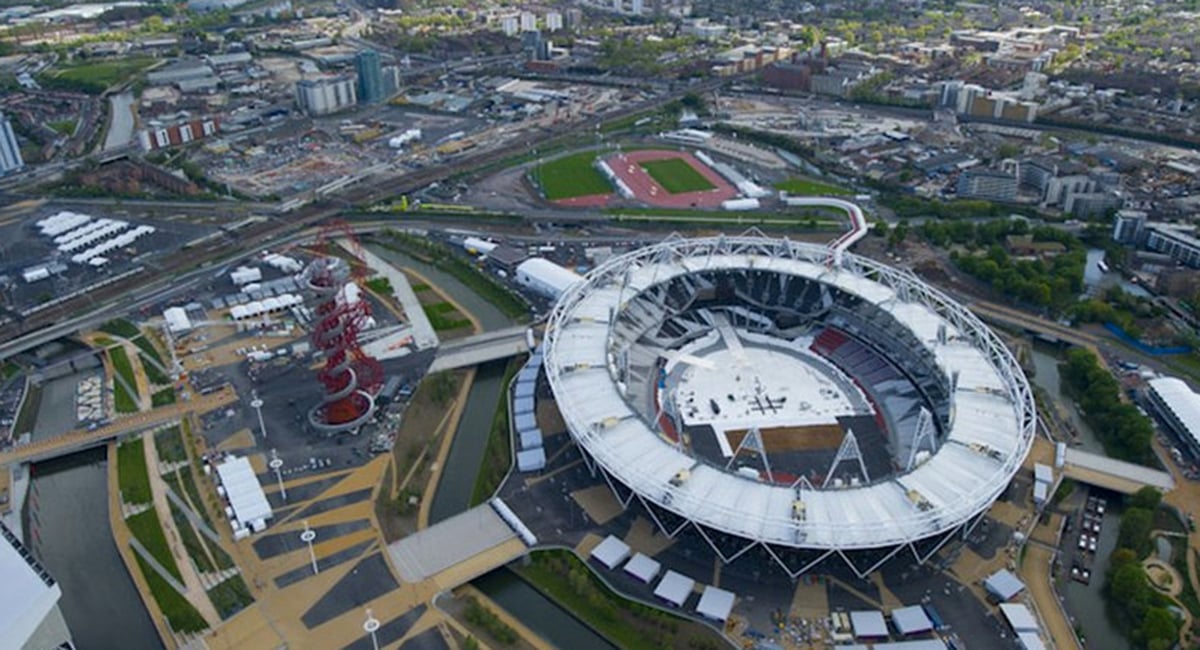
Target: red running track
[[626, 166]]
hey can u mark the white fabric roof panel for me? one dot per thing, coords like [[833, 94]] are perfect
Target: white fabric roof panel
[[531, 460], [1031, 641], [1182, 402], [911, 620], [675, 588], [921, 644], [1019, 617], [863, 516], [715, 603], [868, 624], [611, 552], [530, 438], [642, 567]]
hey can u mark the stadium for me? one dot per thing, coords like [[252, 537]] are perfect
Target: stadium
[[787, 401]]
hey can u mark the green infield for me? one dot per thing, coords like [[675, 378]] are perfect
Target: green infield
[[807, 187], [676, 175], [571, 176]]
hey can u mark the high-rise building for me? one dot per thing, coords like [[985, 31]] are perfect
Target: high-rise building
[[326, 95], [528, 21], [637, 7], [554, 21], [10, 150], [1127, 226], [987, 184], [510, 25], [370, 77]]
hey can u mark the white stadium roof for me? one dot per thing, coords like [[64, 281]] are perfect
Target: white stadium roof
[[990, 432]]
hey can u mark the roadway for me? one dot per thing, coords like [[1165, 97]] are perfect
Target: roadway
[[80, 439], [481, 348]]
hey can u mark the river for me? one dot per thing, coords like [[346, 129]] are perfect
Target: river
[[1046, 358], [453, 494], [68, 508]]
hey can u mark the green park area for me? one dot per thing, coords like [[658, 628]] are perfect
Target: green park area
[[676, 175], [124, 383], [95, 76], [809, 187], [571, 176]]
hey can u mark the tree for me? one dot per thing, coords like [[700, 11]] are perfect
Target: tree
[[1146, 498], [1159, 625], [1128, 586], [1135, 530]]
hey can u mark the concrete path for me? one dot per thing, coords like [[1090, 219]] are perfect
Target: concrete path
[[423, 333]]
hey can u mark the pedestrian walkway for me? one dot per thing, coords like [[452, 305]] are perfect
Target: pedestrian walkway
[[423, 333]]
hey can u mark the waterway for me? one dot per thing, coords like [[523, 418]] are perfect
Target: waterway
[[120, 122], [70, 534], [1046, 358], [1085, 603], [490, 318], [453, 495]]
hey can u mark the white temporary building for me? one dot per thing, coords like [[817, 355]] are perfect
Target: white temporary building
[[715, 603], [476, 245], [177, 319], [611, 552], [267, 306], [1031, 641], [1043, 473], [1003, 585], [57, 224], [245, 275], [911, 620], [244, 492], [531, 460], [35, 273], [545, 277], [868, 624], [675, 588], [741, 204], [643, 567], [921, 644], [282, 262], [1019, 617]]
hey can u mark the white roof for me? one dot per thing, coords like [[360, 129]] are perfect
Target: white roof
[[177, 319], [1043, 473], [531, 460], [1019, 617], [921, 644], [553, 277], [1003, 584], [1031, 641], [715, 603], [26, 598], [675, 588], [1175, 394], [911, 620], [1040, 491], [242, 489], [642, 567], [986, 442], [868, 624], [611, 552]]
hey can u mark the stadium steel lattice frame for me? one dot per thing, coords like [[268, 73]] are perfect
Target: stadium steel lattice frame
[[993, 416]]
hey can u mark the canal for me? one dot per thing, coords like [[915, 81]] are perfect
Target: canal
[[70, 534], [453, 494], [1046, 358]]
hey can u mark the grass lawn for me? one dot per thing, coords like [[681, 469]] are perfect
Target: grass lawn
[[123, 399], [230, 597], [808, 187], [147, 528], [571, 176], [96, 76], [191, 540], [193, 492], [497, 455], [132, 476], [676, 175], [442, 316], [163, 397], [169, 443], [120, 327], [65, 127], [380, 285], [179, 612]]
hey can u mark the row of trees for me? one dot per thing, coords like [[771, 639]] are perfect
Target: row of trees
[[1125, 433], [1139, 611]]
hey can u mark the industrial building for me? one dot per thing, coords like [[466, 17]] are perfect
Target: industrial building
[[325, 95], [162, 136], [10, 149]]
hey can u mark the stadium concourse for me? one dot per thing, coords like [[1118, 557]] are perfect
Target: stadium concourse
[[773, 397]]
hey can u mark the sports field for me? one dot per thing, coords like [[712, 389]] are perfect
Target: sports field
[[676, 176], [570, 177], [808, 187]]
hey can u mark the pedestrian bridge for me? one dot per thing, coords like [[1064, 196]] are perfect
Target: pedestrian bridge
[[481, 348], [81, 439], [459, 549], [1111, 474]]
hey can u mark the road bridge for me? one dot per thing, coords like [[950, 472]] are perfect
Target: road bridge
[[81, 439], [461, 548], [1112, 474], [1045, 328], [481, 348]]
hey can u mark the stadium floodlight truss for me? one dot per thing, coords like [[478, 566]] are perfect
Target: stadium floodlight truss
[[988, 428]]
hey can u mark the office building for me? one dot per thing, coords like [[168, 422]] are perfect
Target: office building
[[10, 149], [370, 77], [554, 21], [528, 21], [1127, 226], [987, 184], [1179, 243], [325, 95]]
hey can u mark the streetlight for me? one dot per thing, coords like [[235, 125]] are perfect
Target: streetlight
[[307, 537], [370, 626], [275, 464], [257, 403]]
